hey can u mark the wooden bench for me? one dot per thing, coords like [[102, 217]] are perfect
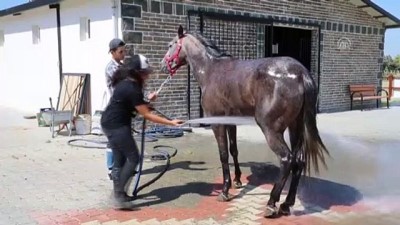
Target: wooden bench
[[362, 92]]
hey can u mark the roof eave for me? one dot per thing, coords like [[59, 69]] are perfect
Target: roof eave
[[385, 13], [393, 26], [26, 6]]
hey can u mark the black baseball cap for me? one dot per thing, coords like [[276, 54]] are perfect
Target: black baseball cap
[[115, 43]]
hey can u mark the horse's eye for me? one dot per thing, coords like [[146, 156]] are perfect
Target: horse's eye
[[170, 46]]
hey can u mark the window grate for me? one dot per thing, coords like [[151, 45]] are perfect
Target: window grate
[[241, 39]]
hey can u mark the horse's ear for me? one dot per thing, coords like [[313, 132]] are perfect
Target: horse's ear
[[180, 31]]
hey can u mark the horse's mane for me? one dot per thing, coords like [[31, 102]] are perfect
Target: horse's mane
[[210, 46]]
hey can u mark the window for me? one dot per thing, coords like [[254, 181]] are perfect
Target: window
[[35, 34], [1, 38], [84, 28]]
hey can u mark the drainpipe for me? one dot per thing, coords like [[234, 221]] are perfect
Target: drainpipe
[[116, 17], [60, 65]]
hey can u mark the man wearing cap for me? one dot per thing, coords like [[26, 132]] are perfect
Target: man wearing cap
[[117, 50]]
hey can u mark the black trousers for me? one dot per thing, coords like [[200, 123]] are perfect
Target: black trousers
[[126, 156]]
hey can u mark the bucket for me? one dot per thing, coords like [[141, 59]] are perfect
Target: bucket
[[83, 124], [40, 117]]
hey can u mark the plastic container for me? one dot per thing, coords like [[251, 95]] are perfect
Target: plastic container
[[83, 124], [96, 126]]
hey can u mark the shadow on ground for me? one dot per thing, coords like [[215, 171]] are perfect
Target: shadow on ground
[[184, 165], [311, 191], [171, 193]]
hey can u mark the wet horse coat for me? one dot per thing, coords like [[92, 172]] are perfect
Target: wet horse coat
[[278, 92]]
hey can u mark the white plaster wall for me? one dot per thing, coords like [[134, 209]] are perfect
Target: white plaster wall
[[90, 56], [29, 73]]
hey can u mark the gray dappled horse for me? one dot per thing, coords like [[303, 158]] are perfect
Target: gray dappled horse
[[278, 92]]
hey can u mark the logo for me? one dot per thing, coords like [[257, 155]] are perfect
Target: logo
[[344, 44]]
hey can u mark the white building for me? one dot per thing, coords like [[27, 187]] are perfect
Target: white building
[[33, 54]]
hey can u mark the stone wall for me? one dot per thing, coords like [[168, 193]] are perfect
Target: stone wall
[[351, 43]]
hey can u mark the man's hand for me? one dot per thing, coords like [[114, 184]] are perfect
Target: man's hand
[[152, 96]]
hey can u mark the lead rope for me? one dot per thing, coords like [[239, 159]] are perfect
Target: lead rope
[[163, 83]]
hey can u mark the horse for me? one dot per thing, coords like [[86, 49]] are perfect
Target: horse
[[278, 92]]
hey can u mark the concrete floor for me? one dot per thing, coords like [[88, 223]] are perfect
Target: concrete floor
[[43, 177]]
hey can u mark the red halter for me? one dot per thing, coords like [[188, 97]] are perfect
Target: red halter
[[169, 60]]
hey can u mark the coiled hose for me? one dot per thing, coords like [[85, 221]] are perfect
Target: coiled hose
[[162, 155], [162, 152]]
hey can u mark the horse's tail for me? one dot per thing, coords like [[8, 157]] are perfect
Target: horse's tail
[[311, 144]]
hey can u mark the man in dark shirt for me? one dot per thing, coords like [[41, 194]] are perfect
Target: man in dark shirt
[[121, 108]]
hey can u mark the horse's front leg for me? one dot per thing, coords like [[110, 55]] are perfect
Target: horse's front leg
[[234, 153], [221, 137]]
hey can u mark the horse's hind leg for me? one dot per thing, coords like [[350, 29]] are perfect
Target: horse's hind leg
[[297, 168], [221, 137], [278, 145], [234, 153]]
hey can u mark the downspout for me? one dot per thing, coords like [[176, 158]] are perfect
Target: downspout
[[60, 64], [319, 68], [116, 17]]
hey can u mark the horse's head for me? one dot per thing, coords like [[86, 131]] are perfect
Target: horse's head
[[175, 57]]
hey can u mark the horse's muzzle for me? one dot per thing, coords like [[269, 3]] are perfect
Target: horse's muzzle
[[169, 68]]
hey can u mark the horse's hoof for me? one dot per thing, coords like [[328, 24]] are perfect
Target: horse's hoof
[[284, 210], [237, 184], [271, 212], [224, 197]]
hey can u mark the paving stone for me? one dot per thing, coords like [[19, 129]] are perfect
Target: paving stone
[[154, 221], [254, 210], [131, 222], [169, 222], [92, 223], [190, 221], [209, 221], [250, 216]]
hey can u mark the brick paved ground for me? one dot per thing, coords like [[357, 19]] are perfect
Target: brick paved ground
[[45, 181]]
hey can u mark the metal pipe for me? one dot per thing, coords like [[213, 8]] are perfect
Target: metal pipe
[[319, 65], [188, 76], [188, 93], [58, 18], [115, 16]]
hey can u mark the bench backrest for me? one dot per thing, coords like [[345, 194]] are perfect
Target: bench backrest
[[365, 89]]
